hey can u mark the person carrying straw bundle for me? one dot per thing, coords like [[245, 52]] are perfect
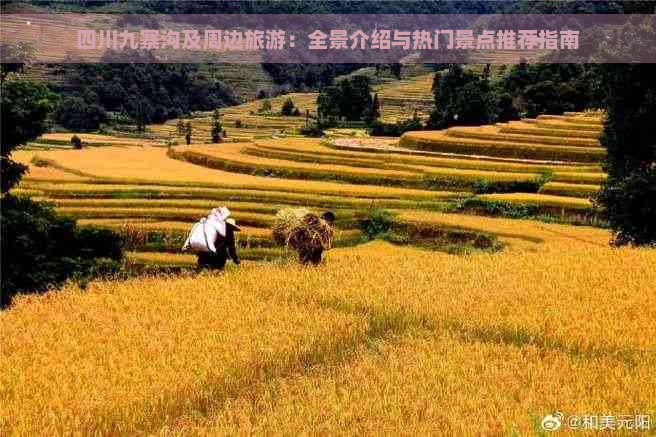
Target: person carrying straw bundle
[[305, 232]]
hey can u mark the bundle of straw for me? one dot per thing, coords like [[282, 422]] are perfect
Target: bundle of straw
[[300, 229]]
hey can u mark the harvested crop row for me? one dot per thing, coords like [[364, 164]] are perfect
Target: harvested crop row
[[92, 192], [577, 118], [315, 148], [438, 141], [342, 236], [555, 125], [589, 178], [494, 135], [447, 171], [151, 166], [533, 130], [153, 224], [241, 163], [232, 153], [572, 190], [282, 196], [456, 168], [552, 236], [430, 177]]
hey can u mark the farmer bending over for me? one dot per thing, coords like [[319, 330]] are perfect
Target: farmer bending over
[[225, 246]]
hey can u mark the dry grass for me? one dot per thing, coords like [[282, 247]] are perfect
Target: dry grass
[[431, 344]]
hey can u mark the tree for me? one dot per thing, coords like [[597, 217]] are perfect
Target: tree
[[141, 115], [188, 132], [180, 127], [461, 98], [216, 127], [32, 233], [288, 107], [373, 112], [360, 100], [349, 99], [628, 196], [75, 113], [395, 68], [549, 88], [25, 107], [46, 249], [266, 106], [328, 103]]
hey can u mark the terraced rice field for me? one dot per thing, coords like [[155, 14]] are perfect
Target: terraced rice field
[[160, 191]]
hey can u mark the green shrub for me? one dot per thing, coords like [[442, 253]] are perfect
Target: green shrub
[[266, 107], [376, 222], [311, 130], [484, 186], [497, 208], [378, 128], [75, 113], [42, 249]]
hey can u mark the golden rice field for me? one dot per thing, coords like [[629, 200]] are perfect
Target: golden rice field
[[377, 340]]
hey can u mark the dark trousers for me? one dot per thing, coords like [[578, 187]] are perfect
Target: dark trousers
[[212, 260], [313, 256]]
